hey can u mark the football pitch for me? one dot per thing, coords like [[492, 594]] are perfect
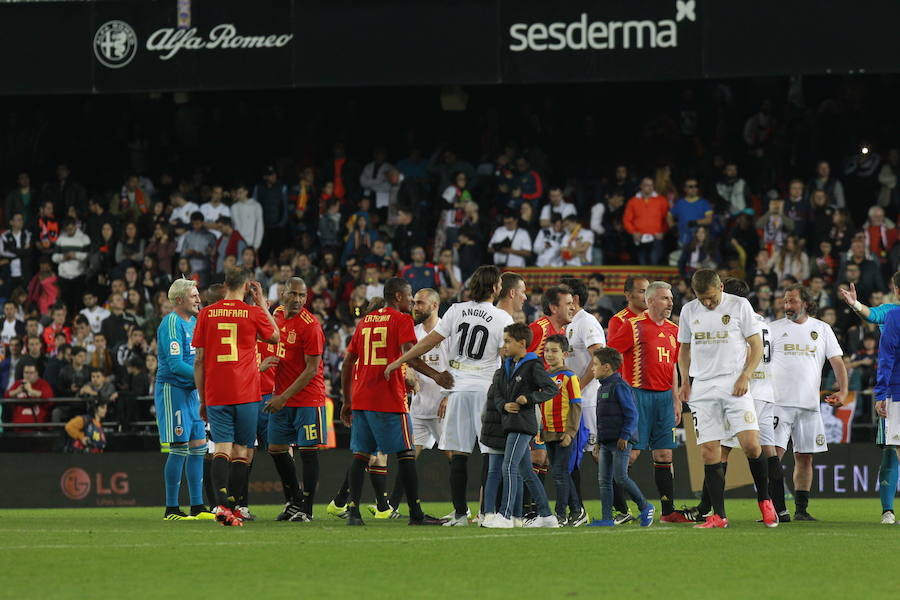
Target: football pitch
[[133, 553]]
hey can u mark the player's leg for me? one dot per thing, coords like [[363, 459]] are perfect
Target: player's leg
[[707, 406], [662, 441], [803, 472], [808, 436], [765, 413], [167, 410], [196, 459], [888, 469], [312, 433], [363, 444], [394, 435], [281, 433], [377, 471], [459, 437], [742, 419], [245, 419]]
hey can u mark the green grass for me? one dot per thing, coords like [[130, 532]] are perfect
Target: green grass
[[132, 553]]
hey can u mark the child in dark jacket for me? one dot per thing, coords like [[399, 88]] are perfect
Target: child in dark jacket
[[617, 426], [519, 385]]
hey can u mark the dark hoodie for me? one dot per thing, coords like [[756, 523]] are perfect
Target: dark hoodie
[[528, 378]]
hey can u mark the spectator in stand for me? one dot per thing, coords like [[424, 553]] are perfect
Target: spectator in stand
[[132, 202], [821, 217], [43, 291], [57, 325], [34, 353], [700, 253], [547, 243], [230, 243], [46, 230], [30, 387], [9, 365], [130, 247], [387, 268], [99, 388], [797, 208], [22, 200], [115, 327], [16, 250], [284, 273], [821, 297], [182, 210], [68, 197], [359, 242], [75, 375], [598, 213], [832, 186], [71, 255], [510, 244], [86, 431], [576, 244], [662, 183], [690, 211], [889, 194], [375, 183], [374, 287], [622, 184], [214, 210], [528, 219], [406, 236], [57, 359], [449, 276], [775, 225], [861, 171], [12, 326], [420, 274], [733, 190], [880, 236], [866, 275], [457, 197], [444, 163], [198, 246], [557, 204], [646, 219], [272, 196], [247, 216], [842, 231], [469, 250], [102, 358], [529, 181], [330, 225], [136, 346], [791, 260], [162, 246], [92, 312]]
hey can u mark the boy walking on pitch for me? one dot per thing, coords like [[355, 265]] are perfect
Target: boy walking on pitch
[[617, 426], [561, 417]]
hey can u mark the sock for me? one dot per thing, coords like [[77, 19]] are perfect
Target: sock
[[355, 477], [194, 468], [705, 503], [219, 471], [776, 483], [576, 481], [397, 494], [208, 487], [245, 491], [310, 461], [887, 478], [801, 500], [458, 476], [665, 483], [172, 473], [284, 464], [237, 481], [759, 468], [406, 467], [619, 502], [378, 477], [715, 482], [343, 493]]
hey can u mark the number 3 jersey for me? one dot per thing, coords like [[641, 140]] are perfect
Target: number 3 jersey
[[377, 342], [301, 336], [227, 331], [474, 331]]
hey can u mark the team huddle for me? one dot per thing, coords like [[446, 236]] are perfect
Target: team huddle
[[534, 399]]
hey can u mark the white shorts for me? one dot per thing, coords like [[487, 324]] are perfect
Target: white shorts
[[892, 423], [426, 432], [765, 416], [589, 417], [717, 414], [803, 426], [462, 421]]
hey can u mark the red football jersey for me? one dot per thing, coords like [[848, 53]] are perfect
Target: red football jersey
[[227, 331], [263, 351], [301, 336], [377, 343], [649, 352], [540, 331], [620, 319]]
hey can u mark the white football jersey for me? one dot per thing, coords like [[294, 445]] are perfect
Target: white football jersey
[[426, 402], [717, 337], [761, 386], [583, 332], [799, 351], [474, 335]]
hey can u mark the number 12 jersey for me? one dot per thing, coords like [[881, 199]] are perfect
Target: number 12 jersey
[[475, 334]]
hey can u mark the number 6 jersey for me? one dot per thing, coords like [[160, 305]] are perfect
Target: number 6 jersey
[[474, 331], [227, 331]]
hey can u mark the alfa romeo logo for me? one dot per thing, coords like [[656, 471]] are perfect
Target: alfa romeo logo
[[115, 44]]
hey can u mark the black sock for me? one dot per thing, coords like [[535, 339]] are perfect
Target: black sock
[[776, 483], [619, 502], [284, 464], [665, 483], [356, 476], [219, 471], [801, 500], [715, 482], [406, 467], [397, 493], [759, 468], [197, 509], [245, 492], [310, 461], [576, 481], [343, 493], [378, 477], [458, 481], [208, 487], [705, 503], [237, 482]]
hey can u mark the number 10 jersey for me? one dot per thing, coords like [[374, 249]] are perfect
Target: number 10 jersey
[[474, 331]]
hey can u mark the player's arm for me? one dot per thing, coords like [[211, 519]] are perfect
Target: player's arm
[[174, 356], [684, 365], [840, 372], [754, 355], [278, 401], [424, 345], [257, 294], [546, 388], [849, 296], [445, 379], [200, 381], [347, 387]]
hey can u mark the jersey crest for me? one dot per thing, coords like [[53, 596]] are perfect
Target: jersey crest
[[726, 319]]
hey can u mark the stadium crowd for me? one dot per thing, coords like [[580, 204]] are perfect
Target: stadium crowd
[[84, 269]]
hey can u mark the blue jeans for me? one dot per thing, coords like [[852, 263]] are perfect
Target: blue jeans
[[493, 481], [614, 466], [517, 473], [566, 495], [650, 253]]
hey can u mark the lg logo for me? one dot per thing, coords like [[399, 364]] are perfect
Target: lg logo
[[115, 44]]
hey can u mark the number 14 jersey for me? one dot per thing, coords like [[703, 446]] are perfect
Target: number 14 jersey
[[474, 331]]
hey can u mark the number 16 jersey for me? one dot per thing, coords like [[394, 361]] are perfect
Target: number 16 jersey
[[227, 331], [474, 331]]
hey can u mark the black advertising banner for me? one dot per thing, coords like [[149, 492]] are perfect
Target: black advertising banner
[[216, 45], [600, 41]]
